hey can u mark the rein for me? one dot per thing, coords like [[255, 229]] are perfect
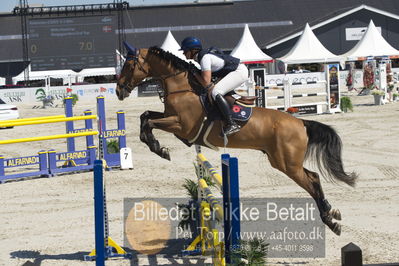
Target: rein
[[162, 93]]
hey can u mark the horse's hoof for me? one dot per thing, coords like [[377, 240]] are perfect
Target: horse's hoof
[[337, 229], [165, 153], [336, 214]]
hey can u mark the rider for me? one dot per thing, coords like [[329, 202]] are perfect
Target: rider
[[225, 67]]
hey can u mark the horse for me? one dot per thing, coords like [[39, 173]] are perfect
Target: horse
[[286, 140]]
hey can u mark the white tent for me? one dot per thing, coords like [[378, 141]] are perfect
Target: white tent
[[308, 49], [92, 72], [38, 75], [371, 44], [247, 50], [171, 45]]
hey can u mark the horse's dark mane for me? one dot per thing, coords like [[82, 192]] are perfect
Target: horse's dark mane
[[175, 61], [179, 64]]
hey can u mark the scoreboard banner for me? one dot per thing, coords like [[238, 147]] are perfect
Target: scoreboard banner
[[72, 42]]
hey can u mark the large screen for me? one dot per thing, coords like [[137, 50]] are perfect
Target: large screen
[[72, 42]]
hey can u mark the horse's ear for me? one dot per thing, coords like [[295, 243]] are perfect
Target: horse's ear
[[130, 49]]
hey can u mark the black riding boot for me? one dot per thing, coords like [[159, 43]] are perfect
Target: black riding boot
[[224, 107]]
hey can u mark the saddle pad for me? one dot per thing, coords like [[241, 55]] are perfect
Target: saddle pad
[[239, 112]]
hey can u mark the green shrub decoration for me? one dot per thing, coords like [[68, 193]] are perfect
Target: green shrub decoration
[[113, 146], [346, 104], [192, 191], [252, 252], [75, 99], [377, 92]]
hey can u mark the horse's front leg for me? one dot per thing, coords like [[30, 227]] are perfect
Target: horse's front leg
[[148, 137], [157, 120], [145, 131]]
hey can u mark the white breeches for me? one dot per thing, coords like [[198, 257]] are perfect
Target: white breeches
[[231, 81]]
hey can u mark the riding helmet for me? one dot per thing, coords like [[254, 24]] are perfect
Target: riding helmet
[[190, 43]]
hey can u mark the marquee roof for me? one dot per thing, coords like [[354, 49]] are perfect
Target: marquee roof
[[247, 50], [308, 49], [372, 44], [171, 45], [38, 75], [92, 72]]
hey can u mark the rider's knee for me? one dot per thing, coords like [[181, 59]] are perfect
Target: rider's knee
[[216, 91]]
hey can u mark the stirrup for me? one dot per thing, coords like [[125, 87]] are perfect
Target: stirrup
[[231, 129]]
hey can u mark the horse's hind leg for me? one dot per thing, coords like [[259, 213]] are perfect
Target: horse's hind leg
[[326, 212], [287, 154], [310, 181]]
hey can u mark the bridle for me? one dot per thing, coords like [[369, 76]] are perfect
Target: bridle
[[135, 58], [162, 93]]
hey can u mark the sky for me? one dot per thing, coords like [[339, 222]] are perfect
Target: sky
[[8, 5]]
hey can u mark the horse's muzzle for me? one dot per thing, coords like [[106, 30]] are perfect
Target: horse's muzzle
[[121, 92]]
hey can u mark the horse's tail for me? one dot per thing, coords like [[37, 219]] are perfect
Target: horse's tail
[[324, 146]]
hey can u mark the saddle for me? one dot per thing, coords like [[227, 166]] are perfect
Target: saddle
[[241, 110], [233, 98]]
